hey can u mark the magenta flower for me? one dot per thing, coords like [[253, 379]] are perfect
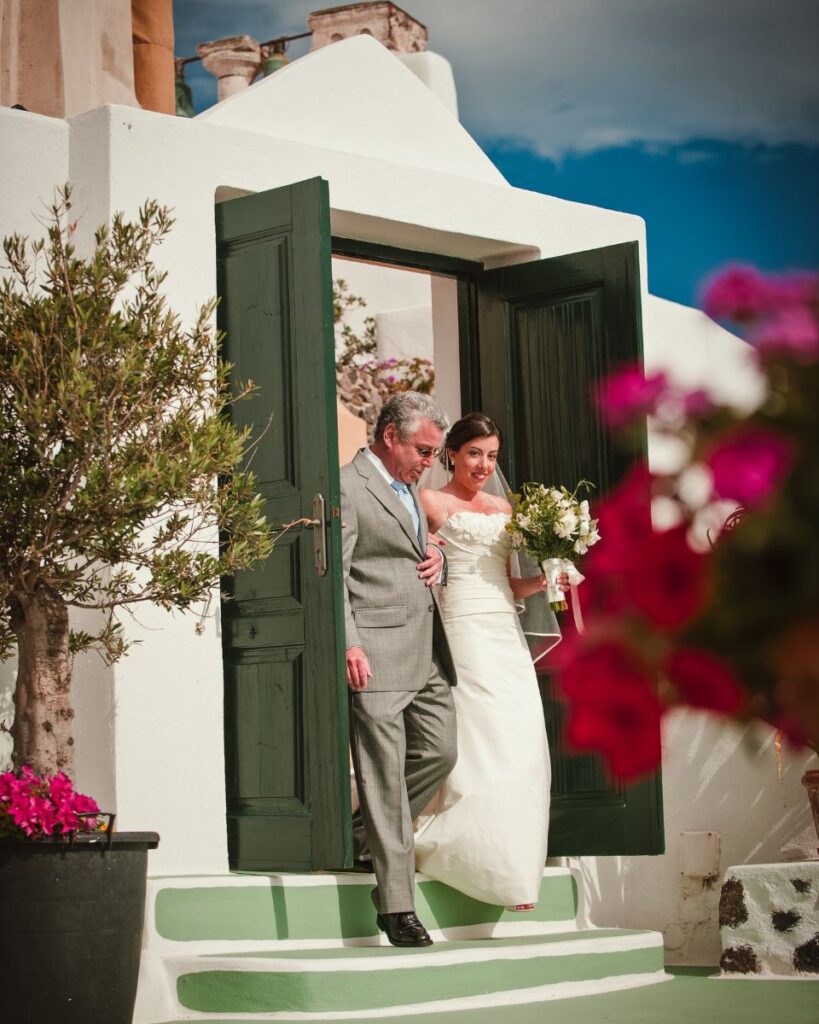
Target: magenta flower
[[34, 807], [60, 787], [748, 465], [704, 681], [793, 331], [697, 402], [800, 288], [44, 813], [739, 292], [629, 394]]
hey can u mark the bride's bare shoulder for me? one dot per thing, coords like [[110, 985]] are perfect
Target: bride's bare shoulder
[[433, 507], [428, 498], [501, 504]]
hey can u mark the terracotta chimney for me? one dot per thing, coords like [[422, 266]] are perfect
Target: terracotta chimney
[[152, 28]]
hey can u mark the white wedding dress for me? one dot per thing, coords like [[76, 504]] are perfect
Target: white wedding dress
[[485, 831]]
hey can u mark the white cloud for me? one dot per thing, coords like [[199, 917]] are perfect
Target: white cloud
[[580, 75]]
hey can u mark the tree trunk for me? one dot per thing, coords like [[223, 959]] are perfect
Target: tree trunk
[[42, 729]]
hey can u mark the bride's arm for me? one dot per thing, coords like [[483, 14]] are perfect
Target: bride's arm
[[433, 510], [524, 586]]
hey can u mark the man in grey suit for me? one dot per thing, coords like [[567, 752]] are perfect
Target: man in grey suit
[[399, 667]]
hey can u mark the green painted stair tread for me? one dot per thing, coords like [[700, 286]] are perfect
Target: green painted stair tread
[[341, 908], [689, 996], [315, 991], [464, 945]]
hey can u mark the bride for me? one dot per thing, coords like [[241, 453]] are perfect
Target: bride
[[485, 833]]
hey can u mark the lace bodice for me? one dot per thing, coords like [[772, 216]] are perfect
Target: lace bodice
[[477, 551]]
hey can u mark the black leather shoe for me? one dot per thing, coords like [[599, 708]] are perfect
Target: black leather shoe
[[404, 929]]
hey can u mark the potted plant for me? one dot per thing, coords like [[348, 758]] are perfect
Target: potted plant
[[113, 436]]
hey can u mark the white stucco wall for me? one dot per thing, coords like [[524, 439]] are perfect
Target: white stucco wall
[[435, 72]]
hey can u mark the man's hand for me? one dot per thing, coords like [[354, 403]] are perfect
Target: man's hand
[[358, 669], [430, 569]]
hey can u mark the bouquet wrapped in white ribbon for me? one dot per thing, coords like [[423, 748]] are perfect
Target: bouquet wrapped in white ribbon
[[555, 528]]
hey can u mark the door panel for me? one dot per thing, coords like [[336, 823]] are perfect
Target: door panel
[[547, 331], [285, 693]]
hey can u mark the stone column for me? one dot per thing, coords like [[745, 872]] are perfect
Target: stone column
[[235, 62]]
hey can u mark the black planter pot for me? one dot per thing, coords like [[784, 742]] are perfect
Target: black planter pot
[[71, 928]]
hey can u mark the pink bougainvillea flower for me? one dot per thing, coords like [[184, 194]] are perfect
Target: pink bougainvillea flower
[[738, 292], [697, 402], [704, 681], [792, 331], [748, 464], [613, 707], [625, 729], [668, 580], [800, 287], [588, 669], [624, 521], [629, 394]]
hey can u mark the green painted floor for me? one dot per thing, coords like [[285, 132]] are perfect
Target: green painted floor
[[690, 998]]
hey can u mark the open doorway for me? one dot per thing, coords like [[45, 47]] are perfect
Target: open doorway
[[523, 342], [396, 329]]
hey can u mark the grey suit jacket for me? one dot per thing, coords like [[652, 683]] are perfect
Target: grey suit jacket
[[388, 611]]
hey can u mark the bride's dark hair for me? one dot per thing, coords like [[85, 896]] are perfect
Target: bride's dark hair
[[474, 424]]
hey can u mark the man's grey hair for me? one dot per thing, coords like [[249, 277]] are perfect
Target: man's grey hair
[[406, 409]]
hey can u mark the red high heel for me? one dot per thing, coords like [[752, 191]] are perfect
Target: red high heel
[[522, 907]]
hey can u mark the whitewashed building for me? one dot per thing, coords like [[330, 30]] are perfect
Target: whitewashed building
[[523, 299]]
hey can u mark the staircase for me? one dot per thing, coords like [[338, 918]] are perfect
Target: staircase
[[306, 947]]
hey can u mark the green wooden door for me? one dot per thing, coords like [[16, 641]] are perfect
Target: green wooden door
[[546, 331], [285, 696]]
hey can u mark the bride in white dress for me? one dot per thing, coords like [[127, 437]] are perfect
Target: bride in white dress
[[485, 833]]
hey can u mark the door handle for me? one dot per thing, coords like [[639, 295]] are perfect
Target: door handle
[[318, 525], [319, 536]]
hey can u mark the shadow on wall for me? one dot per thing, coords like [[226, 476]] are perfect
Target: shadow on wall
[[719, 778]]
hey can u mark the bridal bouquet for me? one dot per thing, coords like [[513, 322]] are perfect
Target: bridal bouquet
[[555, 528]]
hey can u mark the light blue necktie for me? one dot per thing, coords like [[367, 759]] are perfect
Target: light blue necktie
[[403, 493]]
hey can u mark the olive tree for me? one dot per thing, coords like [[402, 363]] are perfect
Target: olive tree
[[122, 478]]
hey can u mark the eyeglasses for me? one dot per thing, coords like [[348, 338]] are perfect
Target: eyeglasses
[[427, 453]]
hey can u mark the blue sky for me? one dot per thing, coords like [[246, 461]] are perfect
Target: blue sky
[[702, 118]]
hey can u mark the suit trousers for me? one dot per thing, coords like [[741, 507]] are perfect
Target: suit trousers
[[404, 745]]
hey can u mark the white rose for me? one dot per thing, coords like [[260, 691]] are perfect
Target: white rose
[[567, 524]]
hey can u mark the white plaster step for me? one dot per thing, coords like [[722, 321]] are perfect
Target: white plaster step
[[254, 913], [363, 982]]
